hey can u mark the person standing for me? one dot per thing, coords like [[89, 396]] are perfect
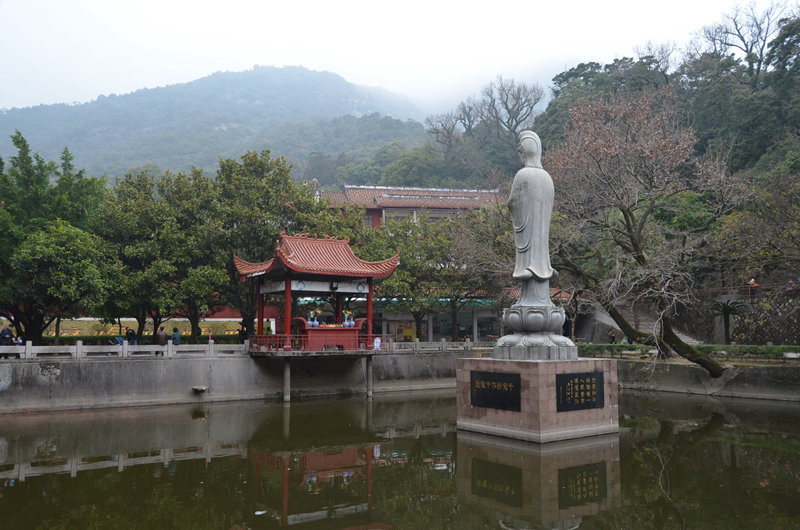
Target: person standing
[[161, 339]]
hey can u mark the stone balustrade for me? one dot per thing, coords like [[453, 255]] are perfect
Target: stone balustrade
[[122, 351], [129, 351]]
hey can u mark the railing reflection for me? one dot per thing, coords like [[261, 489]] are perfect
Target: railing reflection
[[72, 465]]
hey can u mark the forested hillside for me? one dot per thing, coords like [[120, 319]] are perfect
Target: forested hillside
[[292, 111]]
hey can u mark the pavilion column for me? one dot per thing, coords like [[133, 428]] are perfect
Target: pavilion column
[[369, 313], [260, 312], [338, 315], [287, 304]]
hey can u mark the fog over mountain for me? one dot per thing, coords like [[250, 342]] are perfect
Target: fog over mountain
[[292, 111]]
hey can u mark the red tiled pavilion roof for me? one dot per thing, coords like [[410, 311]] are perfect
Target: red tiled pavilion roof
[[409, 197], [325, 256]]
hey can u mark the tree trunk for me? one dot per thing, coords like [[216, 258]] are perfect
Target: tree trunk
[[157, 319], [726, 326], [193, 315], [454, 322], [688, 352], [633, 334], [668, 337], [418, 323]]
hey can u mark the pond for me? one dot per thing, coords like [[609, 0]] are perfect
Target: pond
[[397, 462]]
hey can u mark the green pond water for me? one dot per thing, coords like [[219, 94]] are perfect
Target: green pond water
[[398, 462]]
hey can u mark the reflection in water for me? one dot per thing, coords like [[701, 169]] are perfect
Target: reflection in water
[[549, 486], [397, 462]]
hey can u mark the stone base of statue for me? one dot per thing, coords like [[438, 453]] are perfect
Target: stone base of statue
[[537, 400], [549, 486], [534, 387]]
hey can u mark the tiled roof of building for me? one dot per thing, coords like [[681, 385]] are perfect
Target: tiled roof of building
[[325, 256], [426, 198]]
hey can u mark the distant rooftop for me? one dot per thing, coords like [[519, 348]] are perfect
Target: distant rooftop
[[400, 197]]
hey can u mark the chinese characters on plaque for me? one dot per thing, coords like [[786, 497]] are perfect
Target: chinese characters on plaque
[[496, 481], [579, 391], [497, 390], [581, 485]]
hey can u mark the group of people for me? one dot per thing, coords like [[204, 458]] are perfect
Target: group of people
[[160, 338]]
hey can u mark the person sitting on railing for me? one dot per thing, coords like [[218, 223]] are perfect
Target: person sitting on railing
[[130, 336], [7, 338], [176, 337]]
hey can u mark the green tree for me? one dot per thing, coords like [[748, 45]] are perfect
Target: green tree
[[169, 235], [257, 201], [423, 167], [59, 271], [591, 79], [133, 219], [193, 240], [415, 286], [35, 194]]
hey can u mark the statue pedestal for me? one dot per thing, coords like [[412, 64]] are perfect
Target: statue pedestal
[[541, 486], [537, 400]]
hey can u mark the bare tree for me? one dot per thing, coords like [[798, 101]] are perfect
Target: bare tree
[[470, 113], [634, 204], [444, 128], [510, 106], [747, 32]]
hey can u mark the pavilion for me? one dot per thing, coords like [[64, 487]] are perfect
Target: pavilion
[[311, 265]]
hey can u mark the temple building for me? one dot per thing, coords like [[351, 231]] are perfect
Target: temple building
[[381, 202]]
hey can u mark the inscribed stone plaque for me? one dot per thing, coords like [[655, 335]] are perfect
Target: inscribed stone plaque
[[496, 481], [579, 391], [497, 390], [581, 485]]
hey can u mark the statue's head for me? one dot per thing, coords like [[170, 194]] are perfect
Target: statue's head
[[530, 149]]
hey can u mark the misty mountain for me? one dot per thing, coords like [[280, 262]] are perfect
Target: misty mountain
[[292, 111]]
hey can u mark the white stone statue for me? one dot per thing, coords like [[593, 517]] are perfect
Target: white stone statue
[[535, 321], [531, 203]]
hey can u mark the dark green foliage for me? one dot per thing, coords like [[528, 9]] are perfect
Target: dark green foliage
[[747, 350]]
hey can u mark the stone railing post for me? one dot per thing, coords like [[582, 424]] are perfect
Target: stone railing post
[[467, 344], [443, 345], [210, 352], [170, 349], [416, 344], [247, 346], [79, 351], [28, 349], [125, 352]]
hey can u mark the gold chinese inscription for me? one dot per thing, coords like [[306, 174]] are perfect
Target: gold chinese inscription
[[581, 485], [491, 480], [579, 391], [498, 390]]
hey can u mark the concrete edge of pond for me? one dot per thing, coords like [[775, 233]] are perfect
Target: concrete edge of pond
[[32, 385], [780, 383]]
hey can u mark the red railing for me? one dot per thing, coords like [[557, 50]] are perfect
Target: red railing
[[757, 290], [303, 342]]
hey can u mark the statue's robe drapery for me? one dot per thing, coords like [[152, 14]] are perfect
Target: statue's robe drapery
[[531, 204]]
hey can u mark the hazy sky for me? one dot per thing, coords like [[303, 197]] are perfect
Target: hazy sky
[[434, 51]]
